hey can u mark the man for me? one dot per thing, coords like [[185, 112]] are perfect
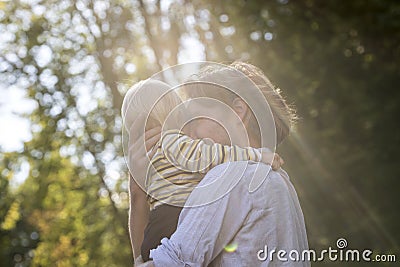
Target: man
[[242, 227]]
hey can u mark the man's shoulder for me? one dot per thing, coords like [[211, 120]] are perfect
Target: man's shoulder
[[252, 174]]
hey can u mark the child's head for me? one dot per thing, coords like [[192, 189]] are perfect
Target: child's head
[[152, 98]]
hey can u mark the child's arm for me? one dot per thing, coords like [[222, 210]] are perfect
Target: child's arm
[[197, 156]]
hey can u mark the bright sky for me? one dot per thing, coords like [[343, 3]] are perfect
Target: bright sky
[[13, 102], [14, 129]]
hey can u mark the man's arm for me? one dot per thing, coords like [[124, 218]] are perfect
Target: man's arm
[[138, 216]]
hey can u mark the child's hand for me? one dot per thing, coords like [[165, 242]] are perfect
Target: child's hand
[[273, 159]]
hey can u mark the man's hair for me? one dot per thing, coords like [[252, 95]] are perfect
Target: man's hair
[[284, 115]]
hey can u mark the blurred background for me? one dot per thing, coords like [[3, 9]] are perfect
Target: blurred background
[[65, 66]]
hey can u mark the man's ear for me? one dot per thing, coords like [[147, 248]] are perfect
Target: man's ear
[[241, 108]]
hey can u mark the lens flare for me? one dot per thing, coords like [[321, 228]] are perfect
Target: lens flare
[[231, 247]]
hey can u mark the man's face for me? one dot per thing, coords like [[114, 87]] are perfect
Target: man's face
[[210, 120], [207, 128]]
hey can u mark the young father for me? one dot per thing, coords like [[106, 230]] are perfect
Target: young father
[[263, 226]]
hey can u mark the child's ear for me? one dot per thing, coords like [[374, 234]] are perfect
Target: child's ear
[[240, 108]]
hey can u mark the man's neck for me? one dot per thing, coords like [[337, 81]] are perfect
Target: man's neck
[[254, 142]]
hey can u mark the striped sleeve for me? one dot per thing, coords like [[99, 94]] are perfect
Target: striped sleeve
[[197, 156]]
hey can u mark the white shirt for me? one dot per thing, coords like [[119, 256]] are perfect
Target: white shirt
[[250, 222]]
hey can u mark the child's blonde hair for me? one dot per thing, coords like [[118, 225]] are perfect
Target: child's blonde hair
[[152, 98]]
